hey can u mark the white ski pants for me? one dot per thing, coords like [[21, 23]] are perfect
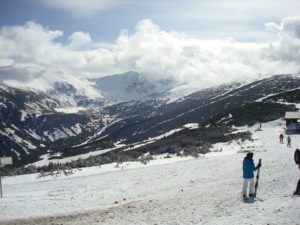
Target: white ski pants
[[248, 183]]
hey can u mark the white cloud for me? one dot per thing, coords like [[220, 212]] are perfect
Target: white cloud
[[30, 42], [79, 39], [272, 27], [149, 49], [6, 62]]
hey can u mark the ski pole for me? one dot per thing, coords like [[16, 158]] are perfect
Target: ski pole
[[257, 177]]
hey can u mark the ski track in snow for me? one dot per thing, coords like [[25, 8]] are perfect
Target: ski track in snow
[[206, 190]]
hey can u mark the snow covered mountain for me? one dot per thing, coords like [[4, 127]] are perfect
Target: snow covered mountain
[[32, 124], [35, 124], [131, 86], [70, 96], [112, 89], [141, 120]]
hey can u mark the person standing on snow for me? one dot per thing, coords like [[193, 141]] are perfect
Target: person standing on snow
[[248, 174], [289, 140], [297, 161], [281, 138]]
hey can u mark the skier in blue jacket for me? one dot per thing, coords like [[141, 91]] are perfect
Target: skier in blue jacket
[[248, 174]]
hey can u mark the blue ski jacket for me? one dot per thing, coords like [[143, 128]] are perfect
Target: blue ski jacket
[[248, 168]]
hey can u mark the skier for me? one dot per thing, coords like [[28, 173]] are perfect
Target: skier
[[297, 161], [281, 138], [289, 140], [248, 175]]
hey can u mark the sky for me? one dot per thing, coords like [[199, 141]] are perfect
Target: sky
[[206, 42]]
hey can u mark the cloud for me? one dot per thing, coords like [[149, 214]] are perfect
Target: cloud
[[291, 26], [36, 54], [5, 62], [81, 8], [287, 47], [79, 40], [272, 27], [288, 26], [29, 43]]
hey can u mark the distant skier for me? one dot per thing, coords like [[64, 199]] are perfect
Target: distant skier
[[248, 175], [281, 138], [289, 140]]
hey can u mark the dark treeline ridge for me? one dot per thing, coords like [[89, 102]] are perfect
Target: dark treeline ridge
[[183, 143]]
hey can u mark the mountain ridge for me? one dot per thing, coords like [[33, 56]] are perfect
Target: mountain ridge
[[28, 135]]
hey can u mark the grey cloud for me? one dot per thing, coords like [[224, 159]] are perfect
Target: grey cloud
[[287, 48], [21, 74], [291, 26], [81, 8]]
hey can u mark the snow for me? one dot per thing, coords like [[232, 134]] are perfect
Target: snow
[[33, 134], [206, 190], [191, 125], [16, 153], [165, 134], [69, 132], [36, 108], [18, 139], [232, 147], [45, 158], [76, 128], [58, 134], [274, 94], [153, 139], [4, 87], [225, 118], [130, 86], [14, 126], [49, 135], [69, 110], [2, 105], [23, 115], [63, 133]]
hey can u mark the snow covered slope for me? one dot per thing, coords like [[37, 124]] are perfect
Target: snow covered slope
[[206, 190], [131, 86]]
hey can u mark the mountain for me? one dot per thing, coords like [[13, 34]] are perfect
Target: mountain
[[37, 124], [161, 116], [71, 96], [131, 86], [32, 125], [112, 89]]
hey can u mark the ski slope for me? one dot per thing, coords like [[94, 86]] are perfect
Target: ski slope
[[206, 190]]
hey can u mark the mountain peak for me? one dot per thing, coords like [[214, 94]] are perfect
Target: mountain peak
[[130, 86]]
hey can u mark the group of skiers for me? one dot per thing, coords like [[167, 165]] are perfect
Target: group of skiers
[[249, 168]]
